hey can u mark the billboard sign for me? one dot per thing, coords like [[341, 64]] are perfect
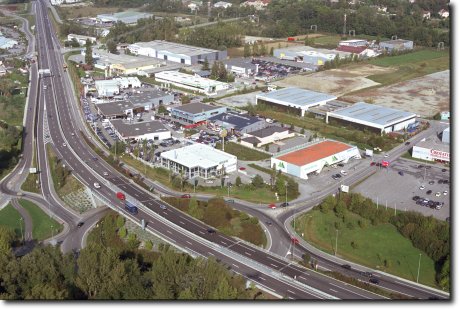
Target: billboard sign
[[344, 188], [369, 153], [440, 155]]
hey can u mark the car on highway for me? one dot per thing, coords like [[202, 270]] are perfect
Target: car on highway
[[343, 172], [373, 163], [72, 134], [438, 194], [97, 185], [186, 196], [272, 206], [269, 223], [211, 231], [105, 173], [80, 224], [386, 155], [444, 193], [44, 87], [242, 168], [401, 173], [367, 274], [346, 266], [64, 145], [444, 170], [163, 207], [407, 143], [374, 280], [121, 196], [294, 240], [422, 187], [428, 192], [284, 204]]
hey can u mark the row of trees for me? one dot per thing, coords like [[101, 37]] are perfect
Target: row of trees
[[256, 49], [428, 234], [219, 73], [218, 36]]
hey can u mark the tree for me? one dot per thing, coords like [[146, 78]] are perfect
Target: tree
[[111, 46], [247, 50], [258, 181], [306, 259], [292, 188], [89, 53], [238, 181], [255, 49], [205, 66], [215, 70], [194, 210], [185, 99], [162, 109], [120, 221], [263, 49], [271, 51], [6, 239]]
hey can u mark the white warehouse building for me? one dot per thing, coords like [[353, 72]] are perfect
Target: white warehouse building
[[313, 158], [192, 82], [198, 160], [372, 117]]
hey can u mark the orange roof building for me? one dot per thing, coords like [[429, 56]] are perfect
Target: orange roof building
[[313, 158]]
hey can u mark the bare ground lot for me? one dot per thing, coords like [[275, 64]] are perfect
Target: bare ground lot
[[336, 81], [425, 96]]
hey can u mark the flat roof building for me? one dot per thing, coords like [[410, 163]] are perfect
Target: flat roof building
[[397, 45], [80, 38], [432, 149], [307, 54], [313, 158], [128, 17], [7, 43], [110, 88], [295, 98], [241, 66], [265, 136], [176, 52], [242, 123], [192, 82], [372, 117], [196, 112], [149, 130], [198, 160]]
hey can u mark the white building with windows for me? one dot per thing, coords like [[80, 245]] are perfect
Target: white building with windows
[[81, 39], [133, 130], [192, 82], [198, 160]]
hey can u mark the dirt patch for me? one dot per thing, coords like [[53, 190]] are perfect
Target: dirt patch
[[424, 96], [336, 81]]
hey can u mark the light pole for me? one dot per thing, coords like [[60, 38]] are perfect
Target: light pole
[[418, 271], [336, 238], [285, 187], [20, 225]]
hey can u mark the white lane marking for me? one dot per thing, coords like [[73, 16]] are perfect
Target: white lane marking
[[345, 289], [290, 291], [274, 265], [333, 290], [223, 242], [201, 232], [247, 253], [188, 242], [277, 261], [210, 253], [300, 277], [235, 266], [169, 232], [263, 279], [182, 222]]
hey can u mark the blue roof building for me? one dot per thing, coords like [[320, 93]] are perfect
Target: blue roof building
[[295, 98]]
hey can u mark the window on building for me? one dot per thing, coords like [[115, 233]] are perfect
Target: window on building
[[182, 61]]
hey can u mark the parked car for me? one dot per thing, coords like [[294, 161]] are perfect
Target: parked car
[[284, 204], [294, 240], [242, 168], [444, 193], [97, 185], [343, 172], [431, 182], [401, 173], [438, 194], [272, 206], [340, 165], [186, 196], [407, 143], [422, 187], [428, 192], [373, 163], [444, 170], [415, 198]]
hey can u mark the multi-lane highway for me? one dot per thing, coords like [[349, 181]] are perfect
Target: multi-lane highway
[[267, 269]]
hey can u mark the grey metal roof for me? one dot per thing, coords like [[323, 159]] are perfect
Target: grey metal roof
[[434, 143], [241, 62], [145, 97], [114, 108], [398, 41], [176, 48], [267, 131], [132, 129], [372, 113], [295, 64], [298, 96], [196, 107], [238, 121], [251, 140]]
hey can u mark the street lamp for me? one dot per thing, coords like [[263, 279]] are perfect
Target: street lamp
[[418, 271], [20, 225], [336, 238]]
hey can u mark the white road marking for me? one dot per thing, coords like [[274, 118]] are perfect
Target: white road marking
[[263, 279], [210, 253], [235, 266], [290, 291], [223, 242], [300, 277], [182, 222], [247, 253], [274, 265], [333, 290], [201, 232], [169, 232], [188, 242]]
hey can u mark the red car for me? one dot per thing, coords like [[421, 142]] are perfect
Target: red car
[[242, 168], [373, 163], [186, 196], [121, 196], [272, 206], [294, 240]]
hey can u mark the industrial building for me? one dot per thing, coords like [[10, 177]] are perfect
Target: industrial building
[[433, 148], [234, 122], [191, 82], [196, 112], [81, 39], [176, 52], [110, 88], [117, 109], [198, 160], [297, 99], [128, 17], [397, 45], [149, 130], [354, 42], [241, 66], [313, 158], [372, 117], [307, 54], [265, 136]]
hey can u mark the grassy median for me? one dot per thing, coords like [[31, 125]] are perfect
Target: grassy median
[[44, 227]]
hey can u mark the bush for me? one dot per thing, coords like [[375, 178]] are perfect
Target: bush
[[120, 221], [238, 181], [122, 232], [258, 181], [354, 245], [148, 245]]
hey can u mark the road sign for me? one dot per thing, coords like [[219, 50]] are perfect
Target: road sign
[[223, 133], [344, 188]]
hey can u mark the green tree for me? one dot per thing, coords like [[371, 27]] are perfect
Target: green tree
[[255, 49], [111, 46], [205, 66], [120, 221], [89, 53], [215, 70], [6, 239], [122, 232], [263, 49], [271, 51], [238, 181], [224, 291], [148, 245], [258, 181], [194, 210], [162, 109], [247, 50], [292, 188], [185, 99]]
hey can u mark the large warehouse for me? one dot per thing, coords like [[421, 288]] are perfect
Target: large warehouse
[[295, 98], [192, 82], [198, 160], [196, 112], [128, 17], [372, 117], [150, 130], [307, 54], [181, 53], [313, 158]]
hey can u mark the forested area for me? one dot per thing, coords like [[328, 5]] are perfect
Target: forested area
[[109, 268], [428, 234]]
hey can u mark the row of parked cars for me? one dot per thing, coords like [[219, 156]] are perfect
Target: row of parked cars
[[424, 202]]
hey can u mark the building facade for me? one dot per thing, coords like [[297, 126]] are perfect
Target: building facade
[[397, 45], [193, 113], [191, 82]]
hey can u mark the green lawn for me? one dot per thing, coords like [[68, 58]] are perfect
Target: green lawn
[[41, 221], [375, 245], [10, 217], [242, 152], [422, 55]]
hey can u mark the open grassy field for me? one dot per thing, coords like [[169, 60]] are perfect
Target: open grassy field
[[375, 244], [43, 226], [84, 11], [421, 55], [10, 217], [242, 152]]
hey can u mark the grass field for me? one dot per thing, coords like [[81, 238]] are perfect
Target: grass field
[[422, 55], [30, 184], [375, 245], [71, 184], [42, 223], [10, 217], [242, 152]]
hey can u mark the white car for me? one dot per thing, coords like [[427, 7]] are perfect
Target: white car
[[44, 87], [386, 155], [422, 187], [438, 194], [445, 193], [64, 145], [209, 181], [343, 172], [105, 173], [72, 134], [97, 185]]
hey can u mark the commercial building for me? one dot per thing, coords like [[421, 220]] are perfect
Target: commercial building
[[198, 160], [313, 158], [432, 149], [128, 17], [181, 53], [149, 130], [398, 45], [81, 39], [355, 42], [265, 136], [196, 112], [234, 122], [372, 117], [110, 88], [192, 82], [307, 54], [117, 109], [241, 66], [7, 43], [300, 100]]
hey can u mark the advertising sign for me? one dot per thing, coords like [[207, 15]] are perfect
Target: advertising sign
[[344, 188], [369, 153], [440, 155]]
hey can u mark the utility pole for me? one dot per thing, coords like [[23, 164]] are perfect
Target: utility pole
[[336, 238], [344, 24], [418, 271], [285, 186], [20, 224]]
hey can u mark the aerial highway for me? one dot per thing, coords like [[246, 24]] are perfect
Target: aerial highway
[[55, 116]]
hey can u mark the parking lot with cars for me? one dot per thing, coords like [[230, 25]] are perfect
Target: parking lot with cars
[[410, 186]]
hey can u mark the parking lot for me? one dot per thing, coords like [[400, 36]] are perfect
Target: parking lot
[[391, 188]]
